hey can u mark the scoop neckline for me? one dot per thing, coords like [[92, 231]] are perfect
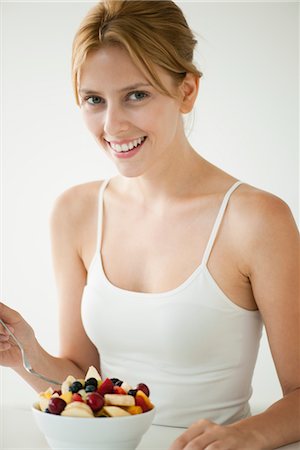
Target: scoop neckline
[[167, 293]]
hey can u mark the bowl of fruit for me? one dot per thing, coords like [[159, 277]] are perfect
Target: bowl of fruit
[[92, 413]]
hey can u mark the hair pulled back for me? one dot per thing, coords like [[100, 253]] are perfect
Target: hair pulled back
[[154, 32]]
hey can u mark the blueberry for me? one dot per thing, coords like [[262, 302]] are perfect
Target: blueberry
[[75, 387], [91, 382], [90, 388], [118, 383], [132, 392], [115, 380], [47, 411]]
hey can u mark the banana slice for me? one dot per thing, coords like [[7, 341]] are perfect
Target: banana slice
[[43, 402], [92, 373], [126, 386], [67, 383], [44, 398], [119, 400], [77, 409], [83, 394], [115, 411]]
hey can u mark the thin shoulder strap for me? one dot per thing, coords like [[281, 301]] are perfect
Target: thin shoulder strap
[[100, 213], [218, 221]]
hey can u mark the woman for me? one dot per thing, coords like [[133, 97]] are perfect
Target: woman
[[167, 272]]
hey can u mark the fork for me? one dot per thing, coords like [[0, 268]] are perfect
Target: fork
[[26, 363]]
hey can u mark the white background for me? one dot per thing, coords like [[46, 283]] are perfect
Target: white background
[[246, 122]]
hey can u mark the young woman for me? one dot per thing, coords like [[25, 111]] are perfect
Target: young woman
[[170, 269]]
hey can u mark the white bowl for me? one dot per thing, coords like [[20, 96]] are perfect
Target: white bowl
[[76, 433]]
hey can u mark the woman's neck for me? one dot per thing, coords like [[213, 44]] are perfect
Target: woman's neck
[[169, 182]]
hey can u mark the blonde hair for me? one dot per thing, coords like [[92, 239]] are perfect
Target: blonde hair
[[153, 32]]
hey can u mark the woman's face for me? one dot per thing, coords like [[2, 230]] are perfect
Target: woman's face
[[137, 126]]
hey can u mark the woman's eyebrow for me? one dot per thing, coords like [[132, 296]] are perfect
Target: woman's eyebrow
[[135, 86], [127, 88]]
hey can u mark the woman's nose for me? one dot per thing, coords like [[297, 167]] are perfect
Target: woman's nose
[[115, 120]]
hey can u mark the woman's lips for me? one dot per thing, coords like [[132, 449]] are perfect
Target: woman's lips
[[129, 153]]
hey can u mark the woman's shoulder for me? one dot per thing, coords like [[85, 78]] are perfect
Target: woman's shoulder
[[256, 214], [78, 193], [256, 204], [248, 204], [75, 203]]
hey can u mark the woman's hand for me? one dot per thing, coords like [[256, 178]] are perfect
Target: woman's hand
[[207, 435], [10, 354]]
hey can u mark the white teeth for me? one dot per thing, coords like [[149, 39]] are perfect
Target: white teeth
[[129, 146]]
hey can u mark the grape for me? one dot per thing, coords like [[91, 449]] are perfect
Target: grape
[[95, 401], [91, 382], [143, 387], [115, 381], [132, 392], [75, 387], [56, 405], [90, 388]]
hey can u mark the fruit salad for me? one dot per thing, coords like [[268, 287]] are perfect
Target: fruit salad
[[94, 397]]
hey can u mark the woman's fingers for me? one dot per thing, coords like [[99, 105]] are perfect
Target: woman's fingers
[[4, 331], [16, 324], [5, 342], [207, 435], [190, 434], [4, 337], [4, 346], [8, 315]]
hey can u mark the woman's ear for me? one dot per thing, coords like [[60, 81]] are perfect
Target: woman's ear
[[189, 91]]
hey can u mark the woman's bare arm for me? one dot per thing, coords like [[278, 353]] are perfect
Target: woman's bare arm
[[77, 352], [267, 240], [68, 227], [273, 266]]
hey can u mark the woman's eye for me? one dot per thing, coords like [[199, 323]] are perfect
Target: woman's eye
[[93, 100], [137, 96]]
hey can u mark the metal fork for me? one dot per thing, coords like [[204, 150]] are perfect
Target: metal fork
[[26, 363]]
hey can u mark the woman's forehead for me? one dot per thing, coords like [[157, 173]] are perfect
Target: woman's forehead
[[112, 66]]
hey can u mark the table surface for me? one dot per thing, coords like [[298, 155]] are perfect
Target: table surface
[[19, 431]]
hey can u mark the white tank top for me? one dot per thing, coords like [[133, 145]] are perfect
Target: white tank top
[[193, 347]]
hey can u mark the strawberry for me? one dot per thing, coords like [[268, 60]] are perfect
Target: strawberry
[[107, 387], [119, 390], [77, 398]]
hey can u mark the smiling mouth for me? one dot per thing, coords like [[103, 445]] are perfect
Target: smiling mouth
[[129, 146]]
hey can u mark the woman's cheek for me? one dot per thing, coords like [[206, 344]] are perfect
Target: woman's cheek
[[92, 122]]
